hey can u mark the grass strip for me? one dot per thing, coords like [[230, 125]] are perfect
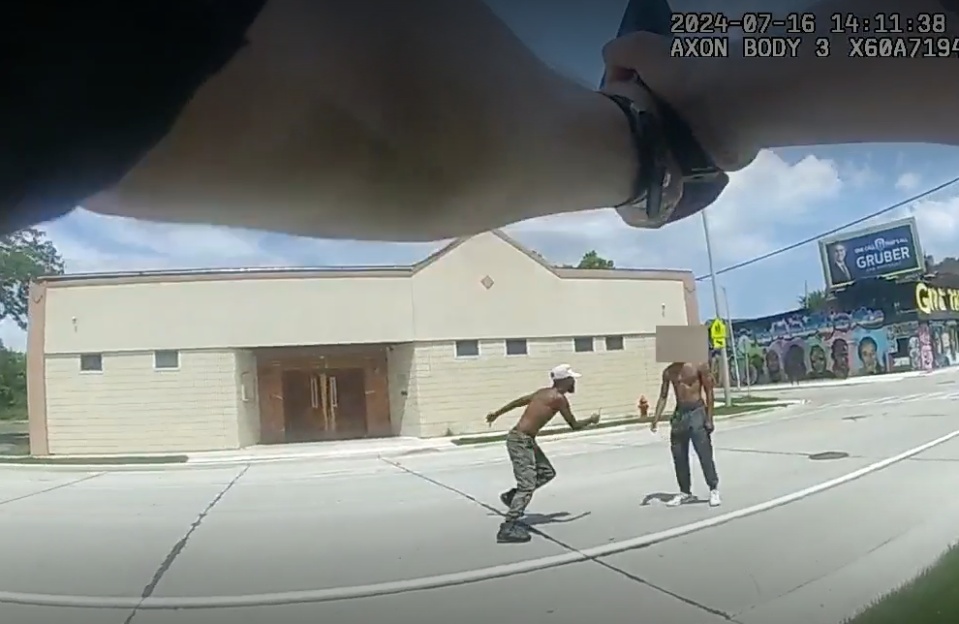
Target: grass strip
[[930, 598]]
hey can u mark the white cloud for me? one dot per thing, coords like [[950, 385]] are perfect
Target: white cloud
[[859, 176], [938, 223], [744, 221], [767, 196], [90, 243], [937, 220], [908, 182], [94, 243]]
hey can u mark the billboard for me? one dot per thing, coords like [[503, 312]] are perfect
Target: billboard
[[882, 251]]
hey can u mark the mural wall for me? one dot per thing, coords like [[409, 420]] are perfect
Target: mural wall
[[800, 346]]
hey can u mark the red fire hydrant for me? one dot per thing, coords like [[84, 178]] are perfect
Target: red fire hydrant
[[643, 406]]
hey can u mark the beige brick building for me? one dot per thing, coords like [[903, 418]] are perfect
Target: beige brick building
[[208, 360]]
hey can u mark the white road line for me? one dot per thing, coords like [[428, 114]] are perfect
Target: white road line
[[884, 401], [448, 580], [918, 398]]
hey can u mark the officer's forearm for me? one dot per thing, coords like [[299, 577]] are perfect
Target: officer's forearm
[[416, 120]]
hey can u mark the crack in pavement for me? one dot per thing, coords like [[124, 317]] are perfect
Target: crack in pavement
[[815, 579], [568, 547], [851, 456], [944, 460], [774, 453], [181, 544], [52, 488]]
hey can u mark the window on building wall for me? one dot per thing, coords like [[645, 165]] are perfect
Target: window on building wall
[[467, 348], [166, 359], [614, 343], [582, 345], [516, 346], [91, 362]]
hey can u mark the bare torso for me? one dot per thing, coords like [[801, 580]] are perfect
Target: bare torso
[[686, 381], [543, 405]]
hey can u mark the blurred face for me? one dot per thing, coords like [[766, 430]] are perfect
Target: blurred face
[[839, 253], [566, 385]]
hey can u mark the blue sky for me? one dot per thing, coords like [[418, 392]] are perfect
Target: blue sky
[[782, 197]]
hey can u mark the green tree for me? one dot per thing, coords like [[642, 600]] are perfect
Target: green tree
[[13, 384], [592, 260], [814, 300], [24, 256]]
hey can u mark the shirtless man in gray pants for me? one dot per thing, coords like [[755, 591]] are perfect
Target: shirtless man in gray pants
[[691, 422]]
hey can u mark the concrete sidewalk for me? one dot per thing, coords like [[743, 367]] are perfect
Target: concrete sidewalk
[[852, 381], [347, 449]]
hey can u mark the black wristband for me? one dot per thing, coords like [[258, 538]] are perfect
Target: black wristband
[[651, 154], [657, 138], [94, 85]]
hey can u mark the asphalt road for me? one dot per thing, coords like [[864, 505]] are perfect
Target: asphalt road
[[276, 542]]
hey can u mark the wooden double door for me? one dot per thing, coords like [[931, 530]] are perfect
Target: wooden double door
[[324, 404]]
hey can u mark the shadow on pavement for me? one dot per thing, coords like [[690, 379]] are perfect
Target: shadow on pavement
[[663, 497], [560, 517]]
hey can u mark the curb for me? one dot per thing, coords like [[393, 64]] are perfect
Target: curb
[[852, 381], [439, 447]]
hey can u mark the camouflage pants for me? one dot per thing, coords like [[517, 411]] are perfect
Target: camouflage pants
[[531, 469]]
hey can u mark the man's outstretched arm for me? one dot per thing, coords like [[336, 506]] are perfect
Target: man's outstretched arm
[[567, 415], [522, 401]]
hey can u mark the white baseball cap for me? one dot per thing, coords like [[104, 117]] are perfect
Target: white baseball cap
[[563, 371]]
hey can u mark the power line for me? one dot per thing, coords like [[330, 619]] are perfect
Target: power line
[[813, 239]]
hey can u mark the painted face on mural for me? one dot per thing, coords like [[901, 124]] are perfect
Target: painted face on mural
[[817, 359], [868, 355], [772, 361], [840, 357], [795, 363]]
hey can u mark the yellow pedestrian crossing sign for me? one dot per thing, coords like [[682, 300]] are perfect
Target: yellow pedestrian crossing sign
[[717, 333]]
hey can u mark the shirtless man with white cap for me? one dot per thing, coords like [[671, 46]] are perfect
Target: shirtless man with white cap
[[530, 466]]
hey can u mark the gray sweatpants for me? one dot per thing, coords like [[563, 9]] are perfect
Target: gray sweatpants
[[688, 424]]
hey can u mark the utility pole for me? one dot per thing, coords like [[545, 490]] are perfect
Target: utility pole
[[732, 336], [712, 276]]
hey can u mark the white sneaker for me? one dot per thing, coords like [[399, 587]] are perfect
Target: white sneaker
[[714, 499], [679, 499]]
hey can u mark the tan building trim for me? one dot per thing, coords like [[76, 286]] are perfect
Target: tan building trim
[[213, 275], [36, 375], [219, 275], [195, 275]]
